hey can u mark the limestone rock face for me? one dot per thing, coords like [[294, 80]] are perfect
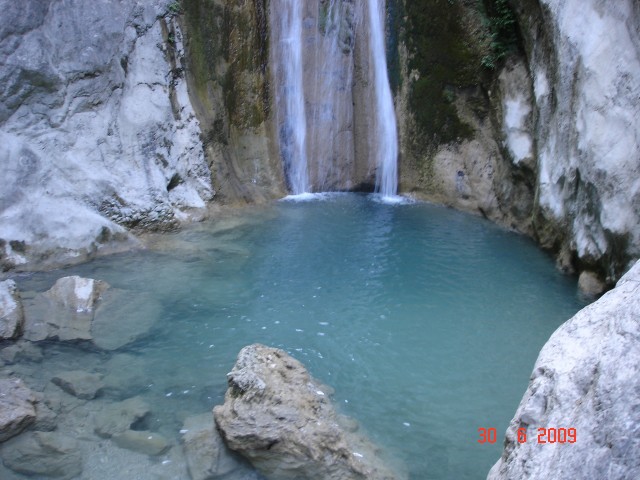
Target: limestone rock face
[[97, 131], [11, 312], [584, 59], [17, 408], [281, 419], [587, 377]]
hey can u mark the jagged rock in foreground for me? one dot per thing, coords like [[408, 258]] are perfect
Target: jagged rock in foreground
[[281, 419], [587, 377]]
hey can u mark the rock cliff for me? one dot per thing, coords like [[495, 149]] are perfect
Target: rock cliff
[[587, 377], [97, 132], [528, 113], [583, 59]]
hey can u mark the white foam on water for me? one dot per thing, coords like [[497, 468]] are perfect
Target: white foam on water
[[312, 197], [391, 199]]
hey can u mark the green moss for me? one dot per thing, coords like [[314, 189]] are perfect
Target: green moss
[[447, 58], [501, 23], [228, 48]]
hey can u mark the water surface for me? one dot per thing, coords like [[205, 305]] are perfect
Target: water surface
[[426, 321]]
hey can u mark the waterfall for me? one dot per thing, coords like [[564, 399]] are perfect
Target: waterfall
[[291, 117], [386, 132], [314, 55]]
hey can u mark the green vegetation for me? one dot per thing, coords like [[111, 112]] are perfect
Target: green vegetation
[[175, 8], [501, 23], [445, 57], [227, 53]]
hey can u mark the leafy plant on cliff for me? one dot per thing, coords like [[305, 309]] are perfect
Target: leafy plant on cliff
[[501, 23], [175, 8]]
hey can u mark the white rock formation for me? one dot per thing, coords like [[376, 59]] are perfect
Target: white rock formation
[[584, 59], [11, 312], [587, 377], [96, 128]]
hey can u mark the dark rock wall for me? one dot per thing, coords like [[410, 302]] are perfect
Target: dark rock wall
[[228, 75]]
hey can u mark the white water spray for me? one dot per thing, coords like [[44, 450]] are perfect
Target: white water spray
[[292, 124], [386, 150]]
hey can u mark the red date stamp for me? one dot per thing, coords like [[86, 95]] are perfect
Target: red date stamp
[[542, 436]]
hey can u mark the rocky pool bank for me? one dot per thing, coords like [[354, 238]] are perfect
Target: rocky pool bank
[[93, 418]]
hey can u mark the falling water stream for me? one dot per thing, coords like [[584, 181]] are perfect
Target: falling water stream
[[386, 150], [313, 55], [292, 131]]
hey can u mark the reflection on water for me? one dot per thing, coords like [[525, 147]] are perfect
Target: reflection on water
[[426, 322]]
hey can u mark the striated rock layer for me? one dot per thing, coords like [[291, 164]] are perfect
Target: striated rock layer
[[281, 419], [587, 377]]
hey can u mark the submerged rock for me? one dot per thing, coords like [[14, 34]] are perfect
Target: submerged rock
[[281, 419], [119, 417], [80, 384], [17, 408], [149, 443], [587, 378], [65, 311], [21, 351], [590, 285], [47, 454], [11, 312], [208, 457], [80, 309], [123, 317]]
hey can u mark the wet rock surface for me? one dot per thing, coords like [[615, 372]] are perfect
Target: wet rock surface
[[48, 454], [123, 317], [80, 384], [17, 408], [208, 457], [281, 419], [587, 377], [65, 311], [119, 417], [11, 312]]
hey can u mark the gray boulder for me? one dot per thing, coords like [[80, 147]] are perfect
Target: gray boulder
[[123, 317], [65, 311], [17, 408], [43, 454], [117, 418], [148, 443], [21, 351], [11, 312], [587, 378], [78, 383], [281, 419]]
